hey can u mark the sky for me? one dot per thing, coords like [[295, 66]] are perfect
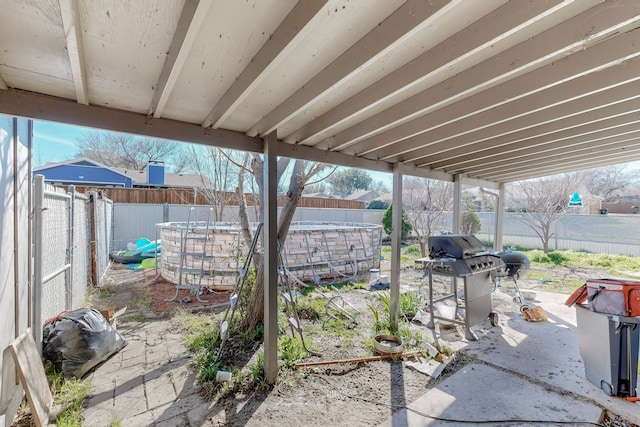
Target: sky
[[54, 142]]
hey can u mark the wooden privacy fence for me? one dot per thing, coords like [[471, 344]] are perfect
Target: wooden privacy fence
[[191, 196]]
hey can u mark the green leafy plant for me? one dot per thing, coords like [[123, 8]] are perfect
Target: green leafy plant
[[256, 372], [409, 304], [291, 351], [388, 226], [69, 394]]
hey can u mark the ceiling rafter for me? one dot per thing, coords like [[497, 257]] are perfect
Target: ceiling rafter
[[575, 124], [472, 41], [400, 24], [497, 157], [598, 107], [558, 153], [43, 107], [535, 171], [73, 36], [192, 18], [576, 96], [294, 25], [384, 128], [557, 73]]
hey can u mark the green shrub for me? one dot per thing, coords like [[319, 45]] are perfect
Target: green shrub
[[388, 226]]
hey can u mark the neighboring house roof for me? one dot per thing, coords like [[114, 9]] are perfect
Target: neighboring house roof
[[83, 171], [82, 161], [170, 179], [386, 197], [319, 195], [362, 195], [52, 172], [622, 199]]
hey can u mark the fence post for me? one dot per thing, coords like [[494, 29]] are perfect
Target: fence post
[[38, 250], [165, 212], [70, 260], [93, 219], [106, 226]]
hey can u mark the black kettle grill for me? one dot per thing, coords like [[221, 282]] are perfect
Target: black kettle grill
[[517, 263]]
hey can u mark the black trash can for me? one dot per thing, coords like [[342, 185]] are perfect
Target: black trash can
[[609, 349]]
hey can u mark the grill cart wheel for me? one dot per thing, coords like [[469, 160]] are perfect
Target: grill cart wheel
[[494, 319]]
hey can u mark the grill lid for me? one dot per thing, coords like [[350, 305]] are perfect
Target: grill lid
[[517, 263], [459, 246]]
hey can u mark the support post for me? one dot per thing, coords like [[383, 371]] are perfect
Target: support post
[[38, 239], [270, 245], [499, 233], [70, 261], [457, 205], [396, 240]]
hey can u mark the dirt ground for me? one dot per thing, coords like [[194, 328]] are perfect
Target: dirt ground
[[331, 394]]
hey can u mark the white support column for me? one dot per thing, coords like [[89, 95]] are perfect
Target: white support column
[[270, 245], [498, 242], [396, 240], [457, 205], [38, 254]]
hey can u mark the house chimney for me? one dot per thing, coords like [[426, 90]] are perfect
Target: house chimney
[[155, 173]]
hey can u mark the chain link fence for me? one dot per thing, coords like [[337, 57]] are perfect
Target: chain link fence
[[66, 226], [102, 234], [81, 266]]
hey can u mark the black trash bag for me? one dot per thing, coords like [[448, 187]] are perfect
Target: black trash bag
[[78, 340]]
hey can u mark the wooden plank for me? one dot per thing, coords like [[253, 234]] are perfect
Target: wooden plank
[[32, 377]]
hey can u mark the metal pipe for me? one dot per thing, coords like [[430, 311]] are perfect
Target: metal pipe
[[70, 261], [30, 228], [496, 238], [16, 233], [55, 273], [30, 232], [38, 252], [54, 194]]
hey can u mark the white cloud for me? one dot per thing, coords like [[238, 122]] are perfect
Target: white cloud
[[43, 137]]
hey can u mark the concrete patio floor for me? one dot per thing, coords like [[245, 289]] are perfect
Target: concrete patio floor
[[521, 371]]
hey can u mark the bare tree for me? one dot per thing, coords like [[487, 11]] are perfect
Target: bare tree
[[426, 202], [346, 181], [605, 181], [301, 172], [125, 151], [218, 172], [470, 223], [540, 203]]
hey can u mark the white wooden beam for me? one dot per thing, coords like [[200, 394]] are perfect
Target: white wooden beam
[[556, 149], [498, 243], [472, 41], [457, 205], [294, 25], [191, 20], [582, 94], [3, 84], [42, 107], [270, 245], [577, 161], [396, 241], [575, 34], [73, 36], [392, 31], [580, 126], [569, 165]]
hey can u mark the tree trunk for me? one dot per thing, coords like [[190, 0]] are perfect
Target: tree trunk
[[255, 311], [242, 207]]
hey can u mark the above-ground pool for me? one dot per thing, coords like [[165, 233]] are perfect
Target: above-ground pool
[[314, 252]]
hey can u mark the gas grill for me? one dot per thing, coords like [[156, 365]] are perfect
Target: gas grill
[[462, 256]]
